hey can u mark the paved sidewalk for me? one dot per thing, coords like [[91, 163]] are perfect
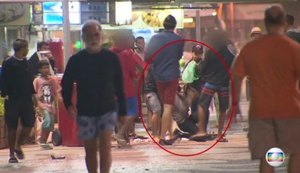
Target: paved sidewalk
[[146, 157]]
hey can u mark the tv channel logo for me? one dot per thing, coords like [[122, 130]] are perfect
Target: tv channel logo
[[275, 157]]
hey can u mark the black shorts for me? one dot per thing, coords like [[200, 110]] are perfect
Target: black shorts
[[208, 92], [16, 108]]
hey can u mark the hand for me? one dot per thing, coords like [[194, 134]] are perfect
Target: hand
[[237, 111], [72, 111], [40, 119], [49, 55]]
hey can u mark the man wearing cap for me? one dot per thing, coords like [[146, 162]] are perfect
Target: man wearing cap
[[255, 32], [166, 71]]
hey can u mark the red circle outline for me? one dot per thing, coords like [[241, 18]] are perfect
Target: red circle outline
[[232, 89]]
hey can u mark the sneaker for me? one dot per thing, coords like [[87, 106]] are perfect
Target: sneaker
[[46, 146], [13, 159]]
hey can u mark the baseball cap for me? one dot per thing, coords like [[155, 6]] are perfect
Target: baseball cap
[[255, 30], [197, 49]]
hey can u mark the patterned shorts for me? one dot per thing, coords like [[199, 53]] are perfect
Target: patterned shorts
[[208, 92], [90, 126], [153, 103]]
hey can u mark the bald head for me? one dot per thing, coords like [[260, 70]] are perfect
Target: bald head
[[275, 17]]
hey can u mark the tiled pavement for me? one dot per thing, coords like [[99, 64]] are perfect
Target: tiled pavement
[[147, 157]]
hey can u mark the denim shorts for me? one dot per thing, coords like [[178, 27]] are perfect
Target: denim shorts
[[132, 106], [90, 126]]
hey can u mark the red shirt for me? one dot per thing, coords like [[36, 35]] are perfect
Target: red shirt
[[129, 60]]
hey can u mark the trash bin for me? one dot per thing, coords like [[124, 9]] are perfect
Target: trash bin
[[66, 124]]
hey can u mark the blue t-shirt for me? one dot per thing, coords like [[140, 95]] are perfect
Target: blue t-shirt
[[166, 63]]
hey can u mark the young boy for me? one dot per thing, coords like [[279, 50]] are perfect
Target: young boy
[[47, 91]]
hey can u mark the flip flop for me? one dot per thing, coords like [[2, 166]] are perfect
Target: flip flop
[[223, 140], [19, 154], [165, 142], [13, 159], [202, 138], [140, 137]]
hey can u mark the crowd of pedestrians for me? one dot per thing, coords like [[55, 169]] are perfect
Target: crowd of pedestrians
[[107, 100]]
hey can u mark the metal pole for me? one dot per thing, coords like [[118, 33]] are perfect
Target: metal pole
[[198, 26], [232, 19], [5, 35], [66, 31]]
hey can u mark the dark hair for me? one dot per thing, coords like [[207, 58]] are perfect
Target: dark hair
[[18, 44], [170, 22], [41, 44], [197, 49], [139, 38], [275, 16], [43, 63], [217, 39], [290, 19]]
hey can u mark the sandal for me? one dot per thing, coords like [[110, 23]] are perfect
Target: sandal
[[19, 154], [223, 139], [121, 142], [202, 138], [13, 159], [165, 142]]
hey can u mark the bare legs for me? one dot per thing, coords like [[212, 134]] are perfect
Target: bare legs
[[105, 158], [294, 165], [90, 147], [12, 135], [166, 123], [13, 143], [105, 151], [156, 125], [265, 167]]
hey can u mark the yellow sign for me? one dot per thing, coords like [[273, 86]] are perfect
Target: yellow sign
[[155, 18]]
